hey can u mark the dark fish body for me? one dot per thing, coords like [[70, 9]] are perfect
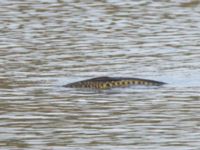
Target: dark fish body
[[111, 82]]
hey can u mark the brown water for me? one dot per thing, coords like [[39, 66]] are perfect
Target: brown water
[[45, 44]]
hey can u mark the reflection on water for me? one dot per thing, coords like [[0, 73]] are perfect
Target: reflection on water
[[46, 44]]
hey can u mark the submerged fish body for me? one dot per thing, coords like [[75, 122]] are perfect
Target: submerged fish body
[[111, 82]]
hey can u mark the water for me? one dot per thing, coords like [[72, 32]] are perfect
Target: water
[[46, 44]]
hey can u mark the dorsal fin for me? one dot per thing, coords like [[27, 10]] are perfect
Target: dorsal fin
[[103, 78]]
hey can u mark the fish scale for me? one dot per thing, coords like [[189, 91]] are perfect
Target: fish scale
[[111, 82]]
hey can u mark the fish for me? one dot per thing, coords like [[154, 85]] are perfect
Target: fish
[[112, 82]]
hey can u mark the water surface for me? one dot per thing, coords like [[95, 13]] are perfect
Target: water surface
[[46, 44]]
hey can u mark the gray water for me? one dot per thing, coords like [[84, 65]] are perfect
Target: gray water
[[45, 44]]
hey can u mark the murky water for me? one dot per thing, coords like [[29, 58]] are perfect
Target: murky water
[[45, 44]]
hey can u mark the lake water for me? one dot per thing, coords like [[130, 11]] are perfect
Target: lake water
[[45, 44]]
